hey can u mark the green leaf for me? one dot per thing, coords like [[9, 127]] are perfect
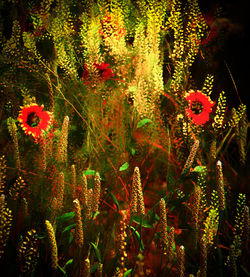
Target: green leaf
[[127, 272], [94, 268], [199, 169], [172, 208], [70, 238], [174, 247], [97, 253], [124, 166], [89, 172], [68, 228], [66, 216], [132, 151], [69, 262], [114, 199], [95, 215], [144, 223], [62, 270], [143, 122], [138, 237]]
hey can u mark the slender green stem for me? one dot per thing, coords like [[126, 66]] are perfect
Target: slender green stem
[[223, 141]]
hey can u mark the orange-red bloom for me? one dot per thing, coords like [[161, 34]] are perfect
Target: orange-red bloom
[[199, 107], [34, 120]]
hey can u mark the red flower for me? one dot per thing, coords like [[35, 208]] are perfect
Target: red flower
[[199, 107], [104, 72], [34, 120]]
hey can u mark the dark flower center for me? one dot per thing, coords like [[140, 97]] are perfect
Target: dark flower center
[[33, 119], [101, 71], [196, 107]]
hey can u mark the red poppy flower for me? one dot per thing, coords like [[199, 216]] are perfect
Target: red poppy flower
[[199, 107], [104, 72], [34, 120]]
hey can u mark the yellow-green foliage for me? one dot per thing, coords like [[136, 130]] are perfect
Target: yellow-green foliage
[[212, 220], [137, 205], [17, 188], [36, 21], [195, 30], [241, 132], [52, 244], [41, 19], [104, 6], [163, 225], [235, 247], [196, 19], [196, 207], [45, 6], [148, 81], [234, 253], [61, 30], [27, 252], [208, 84], [220, 185], [214, 201], [155, 12], [27, 98], [239, 217], [78, 221], [114, 32], [2, 174], [175, 23], [211, 226], [186, 39], [11, 45], [62, 143], [213, 149], [14, 53], [96, 192], [178, 76], [148, 71], [220, 112], [159, 8], [12, 128], [201, 182], [84, 18], [60, 190], [5, 224], [191, 156], [92, 42], [30, 44], [237, 115]]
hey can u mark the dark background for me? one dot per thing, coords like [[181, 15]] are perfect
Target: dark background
[[232, 48]]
